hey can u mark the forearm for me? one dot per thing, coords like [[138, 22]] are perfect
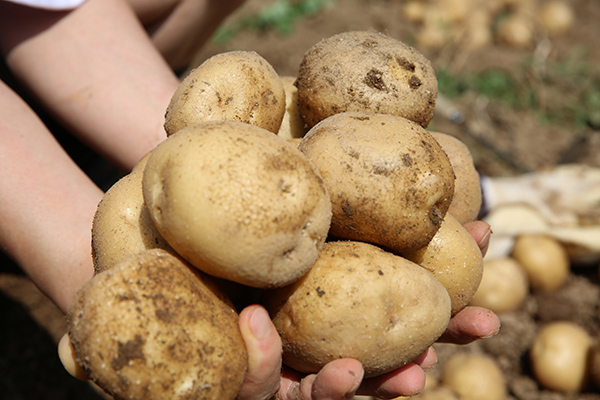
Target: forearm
[[98, 72], [46, 203]]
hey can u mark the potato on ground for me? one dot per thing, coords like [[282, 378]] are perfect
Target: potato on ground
[[238, 202], [474, 377], [361, 302], [292, 125], [389, 180], [365, 71], [153, 328], [232, 86]]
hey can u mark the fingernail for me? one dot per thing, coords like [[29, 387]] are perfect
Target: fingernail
[[260, 324], [485, 240], [350, 394]]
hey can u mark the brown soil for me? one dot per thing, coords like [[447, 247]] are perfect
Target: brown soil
[[503, 142]]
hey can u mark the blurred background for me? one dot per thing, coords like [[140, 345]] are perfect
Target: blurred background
[[519, 84]]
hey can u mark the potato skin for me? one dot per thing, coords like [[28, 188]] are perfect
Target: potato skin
[[454, 258], [153, 328], [122, 225], [361, 302], [365, 71], [389, 180], [238, 202], [232, 86]]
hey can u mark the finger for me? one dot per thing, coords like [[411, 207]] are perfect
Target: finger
[[337, 380], [66, 354], [427, 360], [481, 232], [264, 354], [406, 381], [470, 324]]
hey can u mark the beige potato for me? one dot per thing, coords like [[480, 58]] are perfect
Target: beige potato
[[238, 202], [232, 86], [292, 125], [152, 327], [474, 377], [466, 201], [361, 302], [122, 225], [544, 259], [559, 356], [454, 258], [504, 285], [365, 71], [389, 180]]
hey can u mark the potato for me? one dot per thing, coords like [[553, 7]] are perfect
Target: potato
[[122, 225], [474, 377], [292, 125], [232, 86], [238, 202], [361, 302], [151, 328], [504, 285], [466, 201], [365, 71], [545, 260], [559, 356], [389, 180], [556, 17], [454, 258]]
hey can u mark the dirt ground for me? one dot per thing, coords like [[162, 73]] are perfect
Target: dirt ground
[[503, 141]]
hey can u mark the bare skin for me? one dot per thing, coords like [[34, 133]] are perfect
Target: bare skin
[[104, 71]]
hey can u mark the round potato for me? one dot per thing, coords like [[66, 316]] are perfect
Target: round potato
[[232, 86], [365, 71], [361, 302], [238, 202], [122, 225], [292, 125], [454, 258], [389, 180], [474, 377], [153, 328], [466, 201]]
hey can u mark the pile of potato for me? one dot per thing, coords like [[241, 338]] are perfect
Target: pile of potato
[[321, 196]]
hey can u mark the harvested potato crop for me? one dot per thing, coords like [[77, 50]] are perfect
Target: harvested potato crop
[[232, 86], [238, 202], [474, 377], [361, 302], [454, 258], [365, 71], [122, 225], [154, 328], [466, 201], [292, 125], [389, 180]]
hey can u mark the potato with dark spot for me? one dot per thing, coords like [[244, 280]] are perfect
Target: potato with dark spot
[[389, 180], [233, 86], [153, 328], [361, 302], [238, 202], [365, 71]]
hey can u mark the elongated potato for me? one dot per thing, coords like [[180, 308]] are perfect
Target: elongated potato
[[238, 202], [389, 180], [152, 327], [361, 302], [233, 86]]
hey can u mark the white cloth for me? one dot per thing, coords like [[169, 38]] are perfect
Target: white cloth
[[50, 4]]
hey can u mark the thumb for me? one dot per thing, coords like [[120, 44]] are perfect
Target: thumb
[[66, 353], [264, 354]]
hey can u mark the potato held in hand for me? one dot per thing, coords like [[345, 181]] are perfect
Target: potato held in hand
[[238, 202], [151, 328], [361, 302], [389, 180]]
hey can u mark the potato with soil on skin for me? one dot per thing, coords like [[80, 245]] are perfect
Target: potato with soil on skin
[[474, 377], [238, 202], [233, 86], [292, 125], [365, 71], [361, 302], [560, 356], [122, 225], [153, 328], [454, 258], [389, 180], [466, 201]]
